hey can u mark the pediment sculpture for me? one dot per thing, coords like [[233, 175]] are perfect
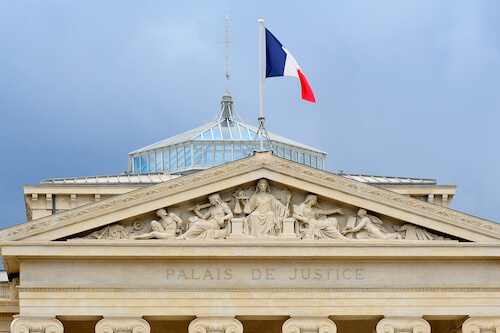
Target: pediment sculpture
[[318, 223], [264, 211], [167, 228], [368, 227], [116, 231], [213, 223]]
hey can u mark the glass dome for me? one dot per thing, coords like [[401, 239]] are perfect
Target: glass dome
[[225, 139]]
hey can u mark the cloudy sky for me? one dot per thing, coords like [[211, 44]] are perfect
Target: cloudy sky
[[403, 88]]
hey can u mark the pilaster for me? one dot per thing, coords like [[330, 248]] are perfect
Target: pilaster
[[36, 324], [479, 324], [397, 324], [309, 324], [219, 324], [114, 324]]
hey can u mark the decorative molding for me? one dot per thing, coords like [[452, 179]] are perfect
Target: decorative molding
[[334, 181], [259, 289], [5, 291], [481, 324], [393, 198], [45, 223], [122, 324], [396, 324], [36, 324], [215, 324], [7, 315], [309, 325]]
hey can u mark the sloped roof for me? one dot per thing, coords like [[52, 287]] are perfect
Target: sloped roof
[[389, 180], [196, 132], [158, 177], [121, 179]]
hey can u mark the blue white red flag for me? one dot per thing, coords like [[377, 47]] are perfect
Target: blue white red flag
[[279, 62]]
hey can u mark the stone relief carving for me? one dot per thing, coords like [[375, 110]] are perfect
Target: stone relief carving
[[309, 325], [412, 232], [116, 231], [27, 324], [167, 228], [265, 213], [317, 223], [403, 324], [365, 226], [213, 223], [118, 324], [220, 324], [481, 324]]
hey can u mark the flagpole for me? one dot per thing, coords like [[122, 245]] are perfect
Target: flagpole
[[261, 119]]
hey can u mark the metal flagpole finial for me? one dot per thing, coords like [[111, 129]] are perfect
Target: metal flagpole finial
[[227, 53]]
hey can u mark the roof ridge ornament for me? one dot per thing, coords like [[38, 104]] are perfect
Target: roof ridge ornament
[[227, 42], [227, 108]]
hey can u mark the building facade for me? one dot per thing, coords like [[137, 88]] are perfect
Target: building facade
[[262, 243]]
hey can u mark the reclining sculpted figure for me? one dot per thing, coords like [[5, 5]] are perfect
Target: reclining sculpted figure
[[209, 224], [319, 225]]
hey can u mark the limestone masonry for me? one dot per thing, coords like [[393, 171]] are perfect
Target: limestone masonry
[[192, 241]]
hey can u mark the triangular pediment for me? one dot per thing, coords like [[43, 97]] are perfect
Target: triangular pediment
[[395, 211]]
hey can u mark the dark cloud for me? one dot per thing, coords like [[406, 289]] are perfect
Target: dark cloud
[[403, 88]]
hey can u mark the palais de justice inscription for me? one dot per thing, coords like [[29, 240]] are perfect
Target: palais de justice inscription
[[266, 274]]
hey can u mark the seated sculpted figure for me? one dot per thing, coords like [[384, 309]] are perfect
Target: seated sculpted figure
[[369, 227], [319, 225], [208, 225], [166, 228], [265, 211]]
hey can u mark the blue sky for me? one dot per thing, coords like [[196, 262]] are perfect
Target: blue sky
[[403, 88]]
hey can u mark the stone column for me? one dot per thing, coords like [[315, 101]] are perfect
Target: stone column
[[38, 324], [216, 324], [113, 324], [309, 324], [479, 324], [399, 324]]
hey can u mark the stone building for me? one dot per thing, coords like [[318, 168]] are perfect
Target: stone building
[[200, 237]]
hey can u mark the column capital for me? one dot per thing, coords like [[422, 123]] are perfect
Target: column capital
[[226, 324], [319, 324], [479, 324], [397, 324], [27, 324], [131, 324]]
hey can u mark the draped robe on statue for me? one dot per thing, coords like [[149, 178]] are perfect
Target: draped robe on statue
[[265, 214], [318, 225]]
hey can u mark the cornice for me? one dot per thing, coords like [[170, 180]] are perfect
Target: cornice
[[309, 289], [392, 198]]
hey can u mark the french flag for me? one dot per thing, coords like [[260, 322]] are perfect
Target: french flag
[[279, 62]]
